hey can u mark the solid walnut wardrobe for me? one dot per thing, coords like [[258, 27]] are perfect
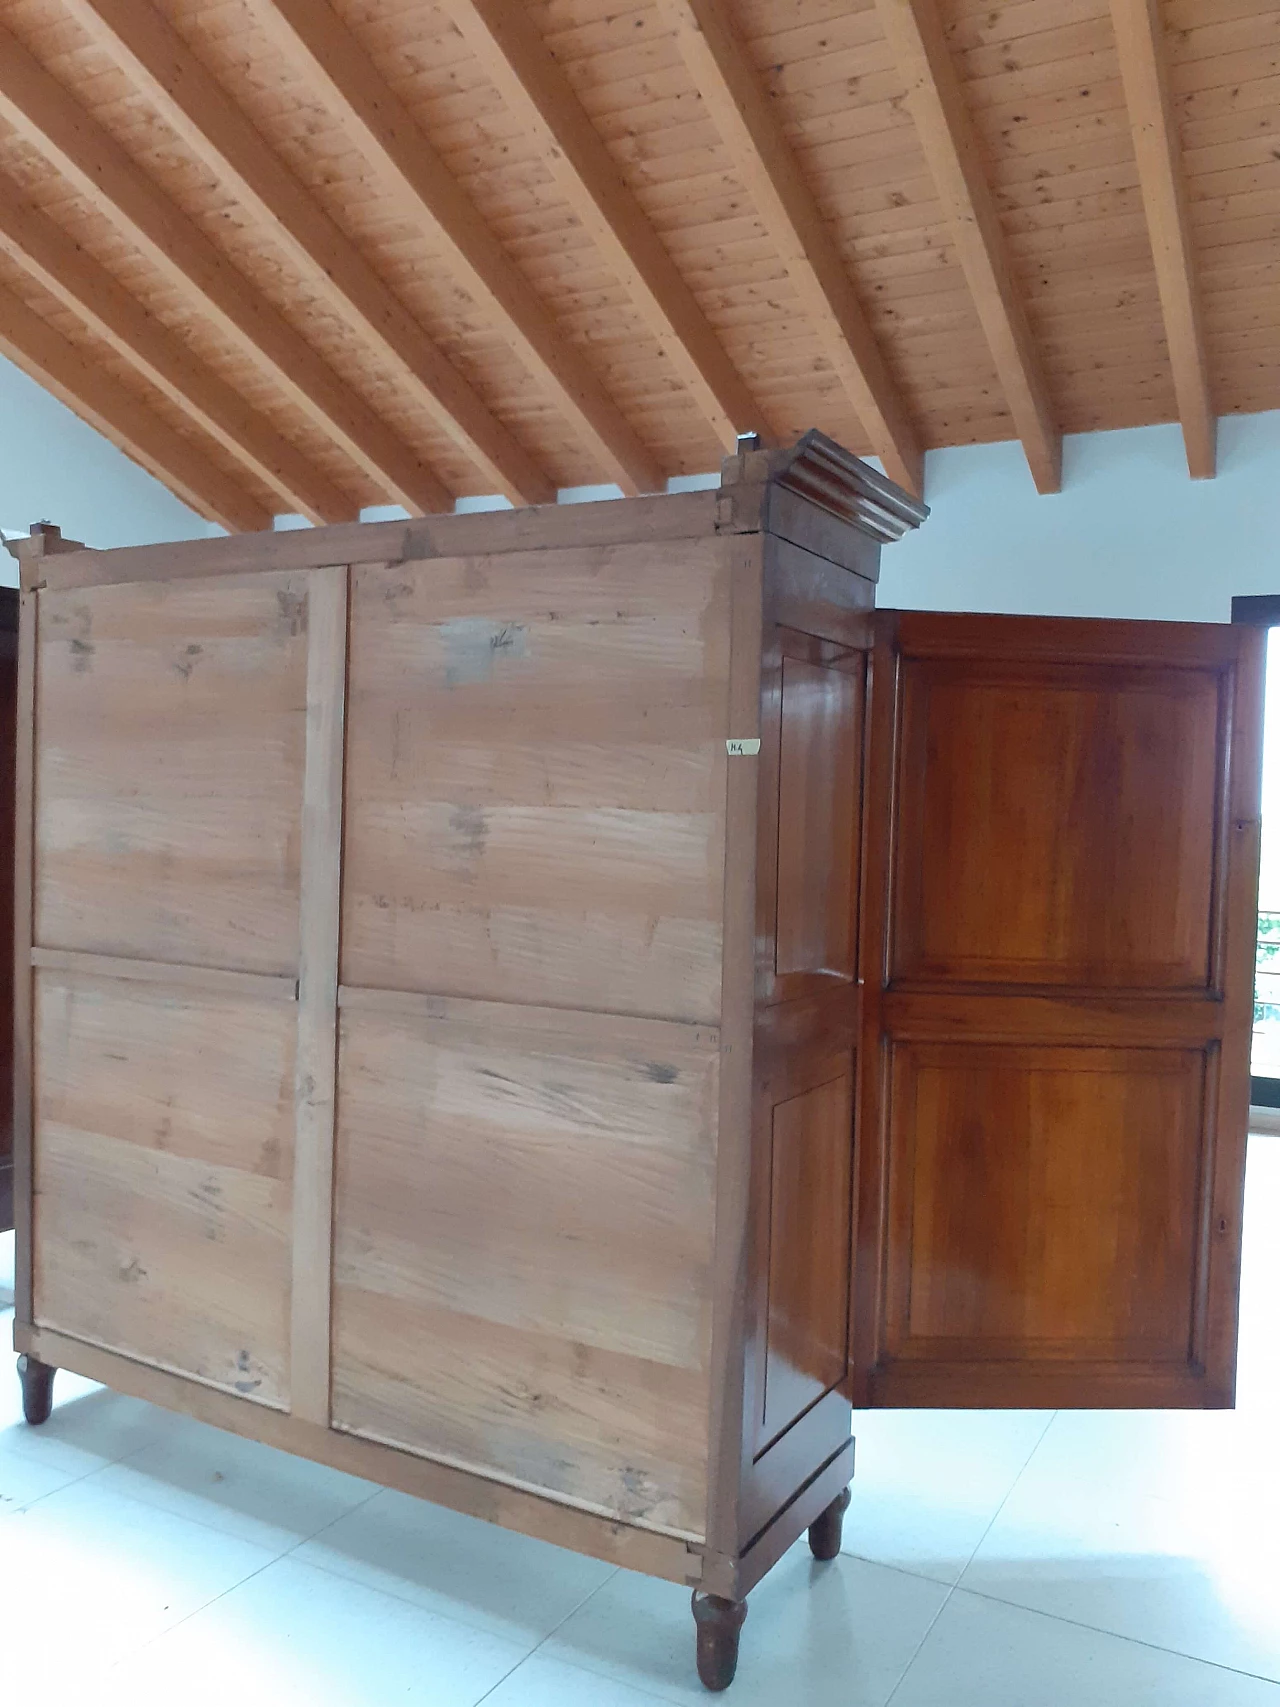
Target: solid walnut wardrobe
[[547, 1009]]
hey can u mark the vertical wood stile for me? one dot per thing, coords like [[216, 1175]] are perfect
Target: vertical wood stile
[[316, 1070], [23, 878], [1233, 972], [733, 1142]]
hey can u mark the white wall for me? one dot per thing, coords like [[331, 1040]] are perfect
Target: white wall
[[1129, 535], [54, 468]]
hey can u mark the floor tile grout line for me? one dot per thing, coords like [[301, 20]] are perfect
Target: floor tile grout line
[[638, 1690], [407, 1600], [231, 1587], [1012, 1489], [952, 1587], [71, 1482], [1117, 1635], [916, 1651], [187, 1517], [543, 1640]]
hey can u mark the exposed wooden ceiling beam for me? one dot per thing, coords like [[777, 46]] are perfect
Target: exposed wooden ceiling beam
[[45, 114], [390, 138], [744, 115], [950, 145], [1143, 71], [148, 48], [76, 380], [41, 246], [505, 40]]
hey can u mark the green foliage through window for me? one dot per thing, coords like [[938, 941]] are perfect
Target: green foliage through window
[[1266, 986]]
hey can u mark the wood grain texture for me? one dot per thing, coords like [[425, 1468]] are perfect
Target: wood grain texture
[[493, 1502], [315, 1072], [50, 119], [806, 1338], [59, 367], [536, 776], [797, 1274], [916, 34], [265, 985], [163, 1168], [153, 52], [86, 287], [819, 807], [23, 903], [1044, 1202], [492, 1314], [385, 130], [1052, 1137], [812, 693], [667, 519], [1041, 83], [1144, 71], [8, 830], [169, 765], [1001, 875], [506, 41], [743, 115], [729, 1438]]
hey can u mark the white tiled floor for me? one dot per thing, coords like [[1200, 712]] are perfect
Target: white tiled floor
[[992, 1560]]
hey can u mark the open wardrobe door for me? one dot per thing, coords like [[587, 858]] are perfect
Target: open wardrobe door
[[1057, 945]]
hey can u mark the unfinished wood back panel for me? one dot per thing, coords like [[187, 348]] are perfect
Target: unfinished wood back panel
[[170, 722], [163, 1175], [535, 783], [523, 1242]]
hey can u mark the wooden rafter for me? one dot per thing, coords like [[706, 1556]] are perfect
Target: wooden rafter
[[148, 48], [45, 114], [390, 138], [1140, 40], [506, 42], [75, 379], [44, 250], [743, 114], [950, 145]]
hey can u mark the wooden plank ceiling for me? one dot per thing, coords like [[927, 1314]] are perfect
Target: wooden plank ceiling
[[303, 256]]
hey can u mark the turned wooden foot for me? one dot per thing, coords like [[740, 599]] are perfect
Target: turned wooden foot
[[825, 1531], [37, 1389], [719, 1624]]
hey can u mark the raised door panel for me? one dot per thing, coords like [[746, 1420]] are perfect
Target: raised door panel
[[819, 770], [806, 1337], [163, 1175], [523, 1242], [1044, 1198], [1058, 930], [535, 797], [1002, 875], [171, 721], [812, 697]]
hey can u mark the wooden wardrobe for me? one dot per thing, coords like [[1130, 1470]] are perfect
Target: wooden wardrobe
[[548, 1010]]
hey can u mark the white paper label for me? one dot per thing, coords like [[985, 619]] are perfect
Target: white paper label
[[743, 748]]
